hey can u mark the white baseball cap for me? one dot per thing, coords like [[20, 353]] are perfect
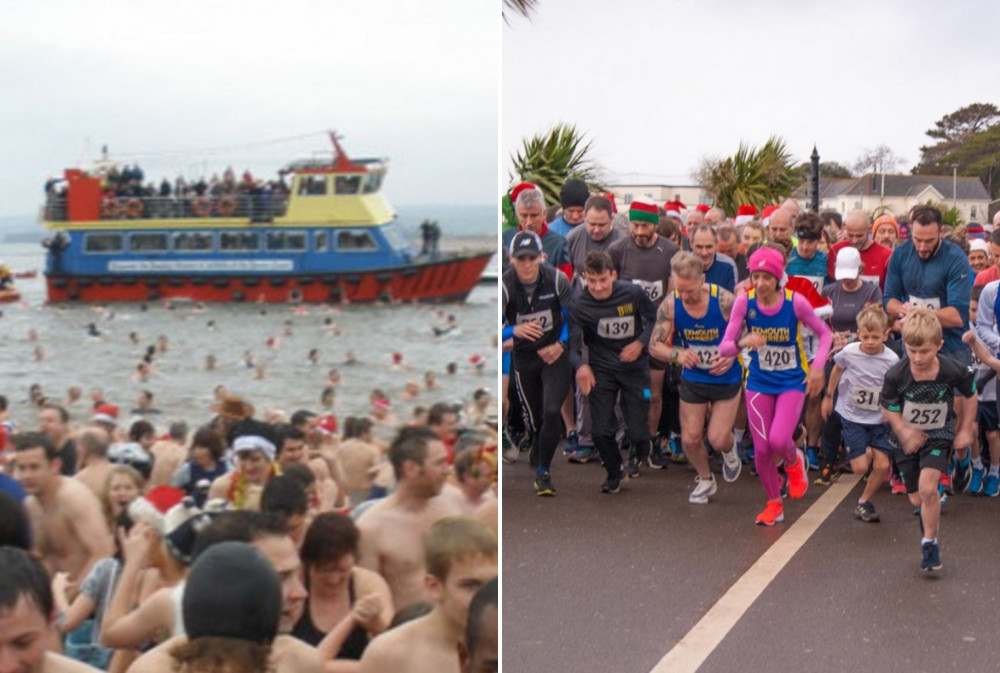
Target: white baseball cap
[[848, 263]]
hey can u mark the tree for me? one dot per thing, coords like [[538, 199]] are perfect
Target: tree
[[522, 7], [753, 176], [827, 169], [879, 160], [549, 159], [952, 131]]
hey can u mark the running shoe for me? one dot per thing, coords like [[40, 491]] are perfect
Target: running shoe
[[828, 475], [962, 474], [991, 485], [773, 513], [731, 464], [931, 557], [703, 489], [612, 484], [655, 458], [898, 487], [543, 484], [866, 512], [509, 451], [798, 479], [944, 484], [632, 464], [584, 454], [812, 456], [572, 444], [976, 483]]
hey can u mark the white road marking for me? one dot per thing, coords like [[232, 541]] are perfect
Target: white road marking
[[694, 648]]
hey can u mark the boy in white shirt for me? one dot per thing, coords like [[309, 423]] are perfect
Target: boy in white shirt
[[858, 372]]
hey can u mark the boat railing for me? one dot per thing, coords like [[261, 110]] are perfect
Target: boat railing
[[254, 207]]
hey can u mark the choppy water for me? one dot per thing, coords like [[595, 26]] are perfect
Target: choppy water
[[182, 386]]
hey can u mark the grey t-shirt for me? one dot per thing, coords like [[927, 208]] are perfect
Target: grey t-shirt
[[847, 305], [580, 243], [648, 268], [98, 586], [861, 384]]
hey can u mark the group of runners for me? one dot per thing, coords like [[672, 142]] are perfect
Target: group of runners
[[248, 544], [655, 336]]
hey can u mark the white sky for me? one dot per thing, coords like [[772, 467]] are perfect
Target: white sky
[[415, 81], [657, 85]]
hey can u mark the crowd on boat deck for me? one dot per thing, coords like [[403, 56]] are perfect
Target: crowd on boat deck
[[280, 540], [783, 340]]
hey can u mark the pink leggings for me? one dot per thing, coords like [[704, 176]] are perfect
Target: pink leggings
[[773, 420]]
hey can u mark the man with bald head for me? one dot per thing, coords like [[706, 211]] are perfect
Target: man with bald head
[[93, 444], [874, 257], [792, 206], [779, 225], [694, 218], [713, 216]]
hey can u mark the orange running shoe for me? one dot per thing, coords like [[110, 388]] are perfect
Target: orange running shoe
[[798, 479], [772, 514]]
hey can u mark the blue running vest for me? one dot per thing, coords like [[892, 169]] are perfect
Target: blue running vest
[[780, 365], [703, 336]]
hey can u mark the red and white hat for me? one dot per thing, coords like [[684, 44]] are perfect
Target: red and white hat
[[744, 214], [674, 208], [703, 208], [105, 413], [154, 505], [514, 193], [766, 215]]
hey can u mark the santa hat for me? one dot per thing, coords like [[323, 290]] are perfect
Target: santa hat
[[745, 213], [514, 193], [105, 413], [766, 215], [702, 208], [154, 505], [821, 305], [611, 197], [327, 424], [643, 209], [674, 208]]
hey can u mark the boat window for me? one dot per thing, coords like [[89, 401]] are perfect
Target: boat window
[[147, 242], [396, 236], [103, 243], [348, 184], [372, 182], [312, 185], [238, 241], [320, 241], [355, 241], [286, 240], [193, 241]]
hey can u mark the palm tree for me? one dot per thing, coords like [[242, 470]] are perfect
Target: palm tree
[[548, 160], [754, 176], [522, 7]]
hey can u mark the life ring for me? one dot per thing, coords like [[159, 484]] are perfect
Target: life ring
[[134, 208], [202, 207], [110, 208], [227, 206]]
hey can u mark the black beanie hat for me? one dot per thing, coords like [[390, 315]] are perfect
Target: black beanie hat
[[232, 591], [574, 192]]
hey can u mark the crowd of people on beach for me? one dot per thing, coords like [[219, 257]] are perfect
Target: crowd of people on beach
[[244, 541], [780, 340]]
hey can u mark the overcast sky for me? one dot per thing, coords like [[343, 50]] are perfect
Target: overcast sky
[[414, 81], [659, 84]]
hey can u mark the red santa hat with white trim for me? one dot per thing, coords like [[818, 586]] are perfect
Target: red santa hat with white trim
[[744, 214], [765, 216], [674, 208]]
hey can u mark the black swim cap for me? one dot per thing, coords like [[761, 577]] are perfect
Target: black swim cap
[[232, 591]]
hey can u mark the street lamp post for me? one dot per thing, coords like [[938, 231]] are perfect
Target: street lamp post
[[954, 186]]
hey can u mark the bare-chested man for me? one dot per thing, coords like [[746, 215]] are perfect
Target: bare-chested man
[[267, 533], [68, 527], [393, 531], [461, 556], [168, 454], [93, 444], [27, 618], [360, 455], [474, 474]]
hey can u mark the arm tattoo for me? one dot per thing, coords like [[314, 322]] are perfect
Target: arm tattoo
[[664, 321], [726, 301]]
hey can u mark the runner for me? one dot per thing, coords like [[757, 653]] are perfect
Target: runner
[[779, 377], [858, 372], [918, 397], [614, 320], [698, 313], [534, 303]]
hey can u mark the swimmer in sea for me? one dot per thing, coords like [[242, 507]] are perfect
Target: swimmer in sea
[[92, 330]]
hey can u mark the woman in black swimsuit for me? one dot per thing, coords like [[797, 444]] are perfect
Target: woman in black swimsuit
[[347, 605]]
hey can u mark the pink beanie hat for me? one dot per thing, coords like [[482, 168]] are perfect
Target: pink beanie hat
[[769, 261]]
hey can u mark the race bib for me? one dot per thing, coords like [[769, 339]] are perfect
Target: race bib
[[705, 355], [653, 290], [817, 282], [616, 328], [870, 279], [866, 398], [925, 415], [933, 303], [777, 358], [543, 318]]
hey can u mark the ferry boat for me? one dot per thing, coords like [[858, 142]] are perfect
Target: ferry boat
[[328, 236]]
